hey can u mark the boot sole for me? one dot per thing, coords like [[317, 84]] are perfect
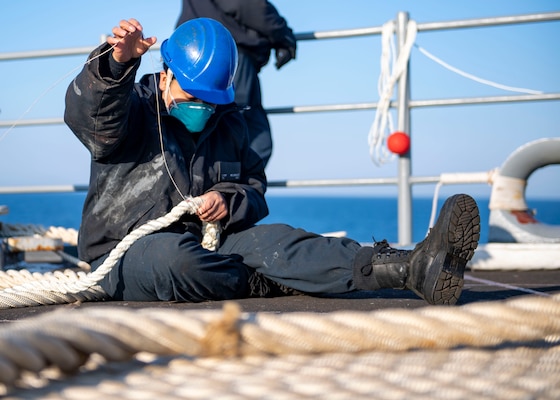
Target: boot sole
[[455, 238]]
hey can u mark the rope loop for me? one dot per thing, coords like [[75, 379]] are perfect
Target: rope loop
[[391, 70], [61, 289]]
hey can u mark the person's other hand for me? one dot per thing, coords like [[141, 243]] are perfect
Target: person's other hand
[[283, 56], [213, 207], [286, 49], [128, 41]]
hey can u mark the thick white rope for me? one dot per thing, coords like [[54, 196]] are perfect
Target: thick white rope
[[67, 235], [62, 338], [60, 291], [391, 71]]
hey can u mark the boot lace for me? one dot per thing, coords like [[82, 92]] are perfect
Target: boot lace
[[385, 253]]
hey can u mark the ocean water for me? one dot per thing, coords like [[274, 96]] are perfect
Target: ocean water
[[368, 218], [362, 218]]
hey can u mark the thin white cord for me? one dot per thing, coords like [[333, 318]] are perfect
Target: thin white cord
[[507, 286], [434, 206], [57, 82], [51, 88], [210, 230], [162, 148], [7, 131], [475, 78]]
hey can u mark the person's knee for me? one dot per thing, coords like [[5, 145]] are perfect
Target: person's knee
[[195, 274], [175, 267]]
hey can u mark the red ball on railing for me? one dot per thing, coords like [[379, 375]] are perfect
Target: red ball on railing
[[398, 143]]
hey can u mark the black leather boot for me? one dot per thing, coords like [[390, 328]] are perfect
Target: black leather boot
[[434, 270], [381, 267], [437, 264]]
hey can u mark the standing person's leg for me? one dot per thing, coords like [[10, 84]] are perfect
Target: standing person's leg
[[174, 267], [248, 93]]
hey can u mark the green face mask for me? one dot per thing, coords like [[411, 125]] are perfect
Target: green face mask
[[193, 115]]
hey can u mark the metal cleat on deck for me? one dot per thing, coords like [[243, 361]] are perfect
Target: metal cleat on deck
[[30, 249], [27, 243]]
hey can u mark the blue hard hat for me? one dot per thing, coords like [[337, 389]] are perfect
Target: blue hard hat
[[203, 57]]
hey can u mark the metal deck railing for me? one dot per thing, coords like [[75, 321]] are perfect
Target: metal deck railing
[[403, 104]]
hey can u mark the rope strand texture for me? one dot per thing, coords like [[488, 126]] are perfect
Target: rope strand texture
[[70, 288], [66, 338]]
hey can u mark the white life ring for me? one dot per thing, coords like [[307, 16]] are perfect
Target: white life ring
[[510, 220]]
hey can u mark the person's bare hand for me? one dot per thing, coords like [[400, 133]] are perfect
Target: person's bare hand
[[129, 41], [213, 208]]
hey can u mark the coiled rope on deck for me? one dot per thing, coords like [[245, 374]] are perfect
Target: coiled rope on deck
[[66, 288], [66, 338]]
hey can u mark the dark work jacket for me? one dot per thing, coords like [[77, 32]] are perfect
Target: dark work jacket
[[256, 25], [116, 120]]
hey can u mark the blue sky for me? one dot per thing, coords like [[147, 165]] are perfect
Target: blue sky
[[318, 145]]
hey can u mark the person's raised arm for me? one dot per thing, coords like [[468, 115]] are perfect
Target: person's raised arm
[[99, 100]]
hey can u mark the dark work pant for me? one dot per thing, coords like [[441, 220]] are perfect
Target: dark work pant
[[248, 93], [171, 266]]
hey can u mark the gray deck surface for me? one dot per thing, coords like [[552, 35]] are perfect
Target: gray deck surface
[[497, 286]]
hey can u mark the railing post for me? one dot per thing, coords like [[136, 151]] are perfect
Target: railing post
[[403, 125]]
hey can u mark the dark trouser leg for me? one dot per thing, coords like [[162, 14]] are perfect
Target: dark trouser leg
[[174, 267], [301, 260], [248, 93]]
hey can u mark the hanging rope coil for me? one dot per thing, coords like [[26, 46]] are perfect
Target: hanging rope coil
[[53, 290], [63, 338], [391, 70]]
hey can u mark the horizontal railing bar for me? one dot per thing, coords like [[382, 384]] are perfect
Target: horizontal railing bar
[[350, 182], [69, 51], [338, 34], [484, 100], [431, 26], [277, 183], [491, 21], [331, 34], [323, 108], [75, 51], [345, 107], [32, 122], [333, 182], [417, 103], [43, 189]]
